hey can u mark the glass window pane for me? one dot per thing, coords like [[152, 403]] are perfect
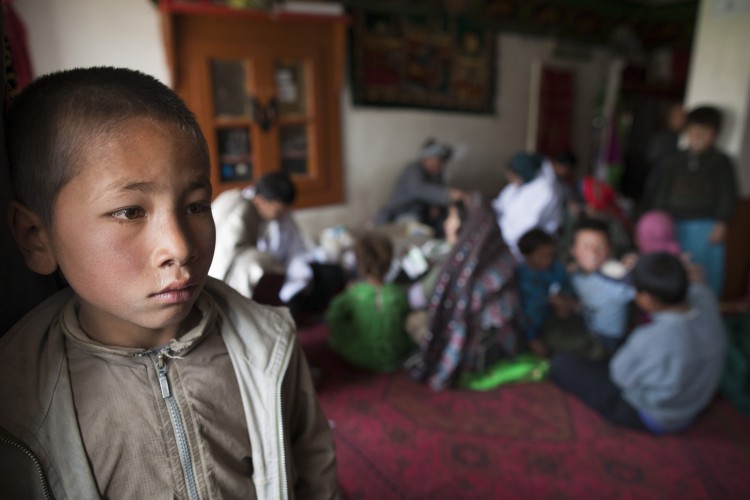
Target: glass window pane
[[290, 87], [293, 140], [229, 86], [235, 154]]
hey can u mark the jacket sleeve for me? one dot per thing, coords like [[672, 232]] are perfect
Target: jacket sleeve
[[310, 443]]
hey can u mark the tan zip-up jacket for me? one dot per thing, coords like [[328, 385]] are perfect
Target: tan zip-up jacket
[[41, 450]]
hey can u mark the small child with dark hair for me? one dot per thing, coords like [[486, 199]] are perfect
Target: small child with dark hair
[[543, 282], [598, 282], [366, 321], [698, 188], [145, 378], [668, 371]]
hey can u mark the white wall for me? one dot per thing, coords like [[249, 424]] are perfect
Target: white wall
[[720, 76], [377, 142], [73, 33]]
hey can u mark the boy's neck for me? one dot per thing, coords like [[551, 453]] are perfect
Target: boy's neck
[[138, 338], [370, 280]]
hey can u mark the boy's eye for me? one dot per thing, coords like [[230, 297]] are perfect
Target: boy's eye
[[200, 207], [129, 213]]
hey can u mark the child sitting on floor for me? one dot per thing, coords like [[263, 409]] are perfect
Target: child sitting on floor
[[543, 282], [366, 321], [667, 371], [598, 283]]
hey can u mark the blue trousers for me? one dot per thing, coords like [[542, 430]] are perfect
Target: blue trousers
[[693, 238]]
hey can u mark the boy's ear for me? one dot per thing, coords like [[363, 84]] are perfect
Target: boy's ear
[[32, 238]]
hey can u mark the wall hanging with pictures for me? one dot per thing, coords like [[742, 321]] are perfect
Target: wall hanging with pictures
[[422, 61]]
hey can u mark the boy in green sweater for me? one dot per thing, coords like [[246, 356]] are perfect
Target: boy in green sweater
[[366, 321]]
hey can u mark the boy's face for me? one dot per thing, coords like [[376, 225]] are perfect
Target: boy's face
[[541, 258], [590, 250], [133, 233], [512, 177], [269, 209], [699, 137], [433, 165]]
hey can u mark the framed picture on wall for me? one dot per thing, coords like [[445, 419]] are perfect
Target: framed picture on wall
[[422, 61]]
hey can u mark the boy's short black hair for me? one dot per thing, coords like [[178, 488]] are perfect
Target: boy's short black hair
[[277, 186], [592, 224], [662, 275], [55, 119], [707, 116], [567, 158], [533, 239], [374, 254]]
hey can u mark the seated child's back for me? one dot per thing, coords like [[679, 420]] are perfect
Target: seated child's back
[[146, 378], [670, 369], [366, 321]]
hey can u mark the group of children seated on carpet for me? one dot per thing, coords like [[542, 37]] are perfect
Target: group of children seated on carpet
[[478, 311], [473, 319]]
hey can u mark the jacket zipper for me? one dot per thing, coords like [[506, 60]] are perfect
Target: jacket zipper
[[282, 459], [4, 438], [177, 424]]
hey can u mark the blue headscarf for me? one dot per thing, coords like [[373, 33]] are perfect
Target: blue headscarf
[[526, 165]]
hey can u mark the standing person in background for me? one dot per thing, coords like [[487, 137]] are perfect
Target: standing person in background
[[698, 188], [420, 193], [530, 199], [662, 145]]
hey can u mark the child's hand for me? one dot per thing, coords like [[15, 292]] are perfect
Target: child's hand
[[718, 233]]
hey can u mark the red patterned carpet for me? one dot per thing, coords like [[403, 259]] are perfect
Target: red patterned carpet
[[397, 439]]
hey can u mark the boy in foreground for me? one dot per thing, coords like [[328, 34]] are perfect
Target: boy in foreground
[[145, 379], [667, 371]]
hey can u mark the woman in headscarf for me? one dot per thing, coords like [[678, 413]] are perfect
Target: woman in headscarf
[[420, 193], [655, 232], [474, 307], [530, 199]]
